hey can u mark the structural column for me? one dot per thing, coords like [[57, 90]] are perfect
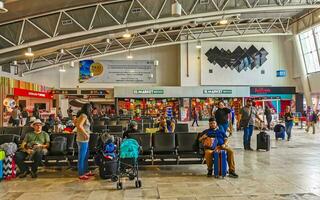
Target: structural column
[[303, 72]]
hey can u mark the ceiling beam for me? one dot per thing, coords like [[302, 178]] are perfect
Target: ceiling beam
[[119, 27]]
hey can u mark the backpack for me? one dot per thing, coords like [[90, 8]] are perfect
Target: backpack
[[58, 146], [129, 148]]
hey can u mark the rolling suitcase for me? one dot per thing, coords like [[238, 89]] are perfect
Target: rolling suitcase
[[9, 168], [220, 163], [263, 141]]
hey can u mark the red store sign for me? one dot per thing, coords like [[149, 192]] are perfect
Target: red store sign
[[30, 93]]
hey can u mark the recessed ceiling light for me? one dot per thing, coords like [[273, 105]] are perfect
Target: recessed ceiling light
[[126, 34], [2, 8], [29, 52]]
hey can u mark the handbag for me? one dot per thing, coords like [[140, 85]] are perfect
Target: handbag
[[245, 123], [209, 143]]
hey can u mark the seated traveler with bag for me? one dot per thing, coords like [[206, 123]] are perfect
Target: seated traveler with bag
[[34, 146], [220, 142], [132, 128]]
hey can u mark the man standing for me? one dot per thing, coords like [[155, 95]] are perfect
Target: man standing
[[247, 118], [34, 146], [222, 115], [215, 132], [268, 115]]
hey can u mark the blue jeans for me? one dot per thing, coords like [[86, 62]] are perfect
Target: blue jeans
[[289, 126], [83, 155], [224, 127], [247, 136]]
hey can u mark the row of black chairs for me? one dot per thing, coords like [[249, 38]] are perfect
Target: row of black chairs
[[176, 146], [141, 127]]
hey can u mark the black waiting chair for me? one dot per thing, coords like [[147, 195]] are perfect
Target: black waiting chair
[[8, 138], [164, 146], [63, 155], [186, 145], [145, 141], [1, 130], [115, 128], [100, 128], [93, 142], [12, 130], [181, 128]]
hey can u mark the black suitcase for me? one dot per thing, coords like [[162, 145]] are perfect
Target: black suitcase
[[108, 169], [263, 141]]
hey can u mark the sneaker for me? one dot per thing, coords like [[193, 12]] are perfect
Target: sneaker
[[250, 149], [24, 174], [33, 174], [209, 174], [233, 175], [83, 177]]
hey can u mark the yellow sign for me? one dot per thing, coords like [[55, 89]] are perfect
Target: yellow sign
[[96, 69]]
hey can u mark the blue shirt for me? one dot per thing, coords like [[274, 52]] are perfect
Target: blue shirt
[[218, 134]]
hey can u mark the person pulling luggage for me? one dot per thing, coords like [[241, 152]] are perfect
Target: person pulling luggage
[[247, 118], [222, 143]]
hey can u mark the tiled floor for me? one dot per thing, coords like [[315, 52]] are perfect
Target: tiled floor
[[291, 170]]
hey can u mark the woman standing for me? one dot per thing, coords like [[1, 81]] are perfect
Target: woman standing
[[84, 120], [288, 117]]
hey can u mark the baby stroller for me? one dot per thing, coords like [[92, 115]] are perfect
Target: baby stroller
[[128, 162], [280, 131]]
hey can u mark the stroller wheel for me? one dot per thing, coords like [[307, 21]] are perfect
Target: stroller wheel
[[131, 177], [114, 178], [119, 186], [138, 184]]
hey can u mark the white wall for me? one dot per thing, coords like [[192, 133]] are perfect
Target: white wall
[[167, 71], [48, 77], [279, 55]]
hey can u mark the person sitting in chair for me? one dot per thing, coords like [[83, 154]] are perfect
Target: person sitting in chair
[[34, 146], [132, 128], [222, 144]]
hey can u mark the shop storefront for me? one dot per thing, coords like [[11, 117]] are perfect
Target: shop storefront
[[177, 102], [102, 100], [276, 98], [25, 95]]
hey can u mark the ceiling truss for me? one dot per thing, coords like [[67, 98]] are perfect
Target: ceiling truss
[[162, 37]]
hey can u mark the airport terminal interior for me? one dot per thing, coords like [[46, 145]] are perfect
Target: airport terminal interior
[[160, 99]]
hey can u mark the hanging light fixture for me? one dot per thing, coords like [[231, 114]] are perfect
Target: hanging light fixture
[[62, 69], [126, 34], [29, 52], [198, 46], [2, 8], [223, 21], [129, 56], [62, 52], [72, 64], [176, 9]]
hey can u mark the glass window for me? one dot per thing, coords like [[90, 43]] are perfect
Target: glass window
[[310, 43]]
